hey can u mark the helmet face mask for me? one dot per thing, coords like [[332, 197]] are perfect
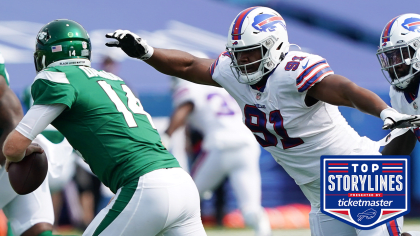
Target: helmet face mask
[[399, 51], [257, 28], [61, 40]]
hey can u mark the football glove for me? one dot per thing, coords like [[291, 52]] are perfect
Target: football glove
[[131, 44], [393, 119]]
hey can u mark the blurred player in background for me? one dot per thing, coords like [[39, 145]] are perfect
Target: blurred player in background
[[288, 99], [31, 214], [228, 148], [102, 119]]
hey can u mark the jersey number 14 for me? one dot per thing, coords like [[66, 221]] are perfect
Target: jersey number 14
[[132, 102]]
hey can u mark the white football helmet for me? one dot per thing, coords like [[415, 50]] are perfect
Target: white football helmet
[[398, 52], [257, 28]]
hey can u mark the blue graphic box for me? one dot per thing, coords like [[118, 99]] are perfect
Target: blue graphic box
[[365, 191]]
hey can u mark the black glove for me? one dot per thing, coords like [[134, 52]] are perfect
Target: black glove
[[131, 44]]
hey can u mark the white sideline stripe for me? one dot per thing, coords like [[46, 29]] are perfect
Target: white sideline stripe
[[57, 77]]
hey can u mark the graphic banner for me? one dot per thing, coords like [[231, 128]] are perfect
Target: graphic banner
[[365, 191]]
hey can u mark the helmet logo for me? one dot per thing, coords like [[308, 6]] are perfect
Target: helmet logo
[[235, 43], [44, 36], [267, 22], [84, 45], [412, 24]]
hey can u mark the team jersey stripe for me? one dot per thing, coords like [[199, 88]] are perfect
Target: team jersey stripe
[[57, 77], [214, 64], [385, 35], [323, 71], [237, 26], [308, 70], [393, 229]]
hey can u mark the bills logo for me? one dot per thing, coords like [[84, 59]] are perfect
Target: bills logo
[[235, 43], [267, 22], [365, 191], [412, 24]]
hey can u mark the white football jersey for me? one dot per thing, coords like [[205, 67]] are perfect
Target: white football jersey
[[406, 103], [216, 115], [295, 134]]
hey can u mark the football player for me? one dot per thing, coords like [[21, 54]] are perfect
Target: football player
[[102, 119], [31, 214], [228, 149], [288, 99], [399, 57]]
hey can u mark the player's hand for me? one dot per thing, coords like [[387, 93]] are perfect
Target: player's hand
[[131, 44], [33, 147], [393, 119]]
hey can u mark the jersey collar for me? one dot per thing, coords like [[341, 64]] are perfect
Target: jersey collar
[[410, 97], [71, 62], [261, 88]]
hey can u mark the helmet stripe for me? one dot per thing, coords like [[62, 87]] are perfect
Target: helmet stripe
[[237, 26], [387, 30]]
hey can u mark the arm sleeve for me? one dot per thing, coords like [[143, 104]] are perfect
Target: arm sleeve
[[38, 118]]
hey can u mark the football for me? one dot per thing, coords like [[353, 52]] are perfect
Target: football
[[27, 175]]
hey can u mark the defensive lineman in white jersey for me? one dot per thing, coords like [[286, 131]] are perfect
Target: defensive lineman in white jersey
[[287, 100], [399, 56], [228, 149]]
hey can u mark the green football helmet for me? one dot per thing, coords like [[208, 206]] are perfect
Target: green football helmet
[[61, 39]]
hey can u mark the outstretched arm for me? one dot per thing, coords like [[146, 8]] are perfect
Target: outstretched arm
[[179, 117], [171, 62], [340, 91]]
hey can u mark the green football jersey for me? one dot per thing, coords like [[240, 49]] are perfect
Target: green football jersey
[[104, 121], [3, 70]]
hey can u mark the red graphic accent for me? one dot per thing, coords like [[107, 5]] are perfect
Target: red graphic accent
[[392, 171], [341, 212], [389, 212], [308, 69], [271, 19], [338, 164], [392, 164], [365, 195], [338, 171]]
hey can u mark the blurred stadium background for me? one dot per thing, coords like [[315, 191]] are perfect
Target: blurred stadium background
[[345, 32]]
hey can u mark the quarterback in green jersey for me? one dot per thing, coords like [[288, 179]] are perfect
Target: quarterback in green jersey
[[105, 122], [31, 214]]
